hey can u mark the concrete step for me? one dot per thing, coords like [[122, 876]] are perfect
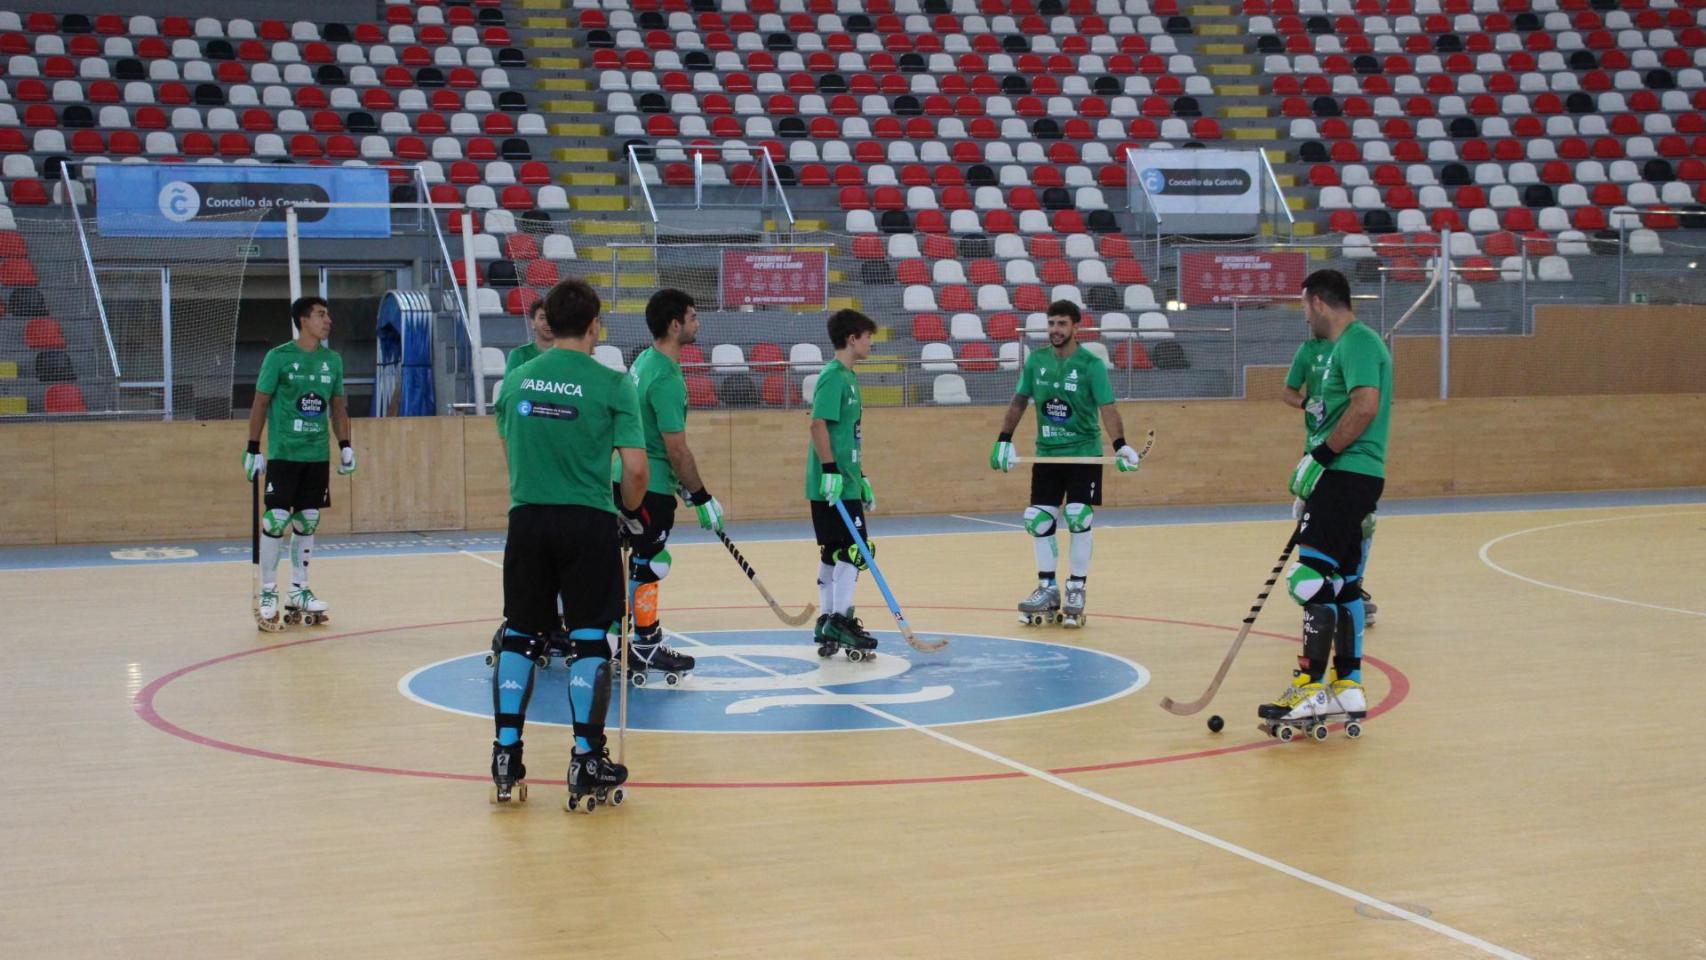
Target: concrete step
[[1245, 113], [1231, 69], [588, 179]]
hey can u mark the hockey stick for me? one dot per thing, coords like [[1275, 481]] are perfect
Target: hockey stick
[[1148, 445], [791, 619], [1186, 709], [267, 626], [622, 668], [883, 585], [1438, 283]]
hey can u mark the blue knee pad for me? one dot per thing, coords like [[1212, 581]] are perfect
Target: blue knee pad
[[512, 681], [589, 687], [305, 522], [275, 522], [1314, 578]]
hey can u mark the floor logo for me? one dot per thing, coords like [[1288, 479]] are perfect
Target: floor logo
[[772, 681]]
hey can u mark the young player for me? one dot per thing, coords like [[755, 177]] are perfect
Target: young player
[[561, 414], [1339, 481], [541, 342], [834, 471], [300, 388], [673, 321], [1303, 392], [1070, 386]]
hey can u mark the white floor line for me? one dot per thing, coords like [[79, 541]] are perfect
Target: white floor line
[[1492, 949], [1486, 558], [485, 560], [995, 523]]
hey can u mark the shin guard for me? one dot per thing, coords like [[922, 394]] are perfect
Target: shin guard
[[512, 682], [1320, 621], [589, 687]]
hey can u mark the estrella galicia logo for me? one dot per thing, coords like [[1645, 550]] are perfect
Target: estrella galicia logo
[[311, 405], [772, 681], [1154, 181], [524, 408], [1057, 410], [179, 202]]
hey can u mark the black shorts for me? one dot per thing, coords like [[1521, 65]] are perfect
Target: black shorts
[[298, 484], [571, 551], [1332, 516], [1053, 484], [658, 511], [831, 532]]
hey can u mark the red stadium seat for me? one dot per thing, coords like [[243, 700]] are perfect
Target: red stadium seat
[[43, 333], [63, 398], [929, 328]]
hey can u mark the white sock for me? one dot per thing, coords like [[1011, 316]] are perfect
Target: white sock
[[1082, 545], [846, 577], [1048, 554], [825, 588], [271, 547], [301, 546]]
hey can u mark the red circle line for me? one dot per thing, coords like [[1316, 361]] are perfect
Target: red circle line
[[143, 703]]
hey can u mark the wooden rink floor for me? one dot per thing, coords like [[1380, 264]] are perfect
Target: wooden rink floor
[[178, 785]]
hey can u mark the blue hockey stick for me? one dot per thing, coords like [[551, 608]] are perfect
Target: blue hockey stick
[[883, 585]]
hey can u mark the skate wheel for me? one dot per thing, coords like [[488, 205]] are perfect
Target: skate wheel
[[617, 796], [543, 662], [491, 659], [571, 804], [826, 649], [671, 679], [1353, 730], [1286, 733], [1319, 732], [521, 791], [855, 656], [637, 678]]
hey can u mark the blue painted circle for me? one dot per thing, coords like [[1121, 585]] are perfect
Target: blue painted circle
[[772, 681]]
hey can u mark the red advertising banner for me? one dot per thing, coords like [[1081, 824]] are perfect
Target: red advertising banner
[[788, 278], [1217, 276]]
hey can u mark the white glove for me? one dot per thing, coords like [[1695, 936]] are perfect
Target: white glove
[[1296, 509], [1002, 455], [1129, 460], [254, 462], [346, 460]]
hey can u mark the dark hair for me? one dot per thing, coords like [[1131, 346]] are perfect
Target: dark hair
[[1330, 286], [537, 306], [844, 325], [664, 308], [570, 308], [303, 306], [1065, 308]]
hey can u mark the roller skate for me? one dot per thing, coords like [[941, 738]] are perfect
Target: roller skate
[[1347, 705], [1302, 708], [267, 617], [301, 606], [843, 631], [1072, 611], [1042, 606], [646, 658], [594, 779], [1368, 610], [508, 774]]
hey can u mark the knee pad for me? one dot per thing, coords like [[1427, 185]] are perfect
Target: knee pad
[[853, 555], [1080, 517], [275, 521], [1368, 525], [509, 640], [643, 570], [589, 689], [592, 643], [1349, 591], [306, 522], [1041, 521], [1313, 578]]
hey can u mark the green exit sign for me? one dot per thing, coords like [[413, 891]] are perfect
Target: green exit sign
[[248, 249], [1638, 297]]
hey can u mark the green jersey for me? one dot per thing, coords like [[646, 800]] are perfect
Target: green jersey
[[302, 384], [836, 402], [1307, 369], [521, 355], [1070, 393], [1358, 359], [663, 409], [563, 413]]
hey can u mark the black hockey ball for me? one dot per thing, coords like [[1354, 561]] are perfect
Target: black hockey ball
[[1215, 723]]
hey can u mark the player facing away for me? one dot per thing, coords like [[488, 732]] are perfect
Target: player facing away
[[561, 414], [673, 321], [1070, 386], [1303, 392], [541, 342], [300, 388], [1339, 481], [835, 471]]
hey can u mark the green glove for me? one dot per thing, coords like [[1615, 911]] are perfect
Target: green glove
[[1308, 471], [1129, 461], [1002, 455], [830, 484], [709, 510], [867, 495]]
